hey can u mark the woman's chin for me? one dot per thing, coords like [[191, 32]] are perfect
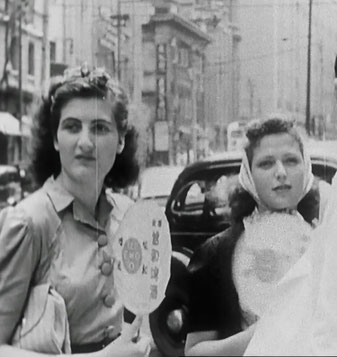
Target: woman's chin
[[85, 176]]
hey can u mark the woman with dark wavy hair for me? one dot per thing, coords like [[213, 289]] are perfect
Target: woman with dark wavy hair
[[57, 294], [275, 206]]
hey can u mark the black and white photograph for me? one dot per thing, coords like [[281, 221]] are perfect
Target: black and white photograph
[[168, 178]]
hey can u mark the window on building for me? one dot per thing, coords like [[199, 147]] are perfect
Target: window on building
[[31, 58], [113, 62], [2, 6], [28, 10], [183, 57], [149, 55], [52, 51], [14, 53]]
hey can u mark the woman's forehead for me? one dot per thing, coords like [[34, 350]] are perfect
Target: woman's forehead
[[275, 144], [87, 107]]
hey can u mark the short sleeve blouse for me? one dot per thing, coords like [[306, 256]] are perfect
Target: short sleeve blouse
[[51, 237]]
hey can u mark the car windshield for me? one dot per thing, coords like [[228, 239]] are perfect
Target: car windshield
[[158, 181]]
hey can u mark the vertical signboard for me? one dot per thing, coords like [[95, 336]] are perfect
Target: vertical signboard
[[161, 103]]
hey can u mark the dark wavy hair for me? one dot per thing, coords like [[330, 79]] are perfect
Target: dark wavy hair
[[81, 83], [276, 124]]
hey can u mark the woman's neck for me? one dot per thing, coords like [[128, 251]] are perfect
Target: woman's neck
[[263, 209], [84, 192]]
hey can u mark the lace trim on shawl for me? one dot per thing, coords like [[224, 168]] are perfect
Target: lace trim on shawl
[[271, 244]]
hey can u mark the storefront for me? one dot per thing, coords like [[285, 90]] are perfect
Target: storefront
[[13, 139]]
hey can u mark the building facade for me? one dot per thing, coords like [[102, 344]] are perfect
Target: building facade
[[274, 59], [23, 68], [222, 66], [173, 86]]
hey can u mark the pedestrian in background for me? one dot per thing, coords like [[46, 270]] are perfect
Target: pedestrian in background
[[57, 292]]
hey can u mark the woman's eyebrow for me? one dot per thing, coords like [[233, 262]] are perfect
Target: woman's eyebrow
[[292, 154], [102, 121], [69, 119], [267, 156]]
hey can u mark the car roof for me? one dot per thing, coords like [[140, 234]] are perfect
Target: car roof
[[161, 169], [8, 169]]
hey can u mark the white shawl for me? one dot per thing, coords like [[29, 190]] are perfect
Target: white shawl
[[302, 318]]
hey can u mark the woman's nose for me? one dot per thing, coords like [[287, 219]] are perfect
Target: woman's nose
[[280, 169], [86, 140]]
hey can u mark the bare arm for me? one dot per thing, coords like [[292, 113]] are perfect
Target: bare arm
[[206, 343]]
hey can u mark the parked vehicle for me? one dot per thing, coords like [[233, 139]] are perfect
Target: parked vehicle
[[197, 209], [10, 186], [156, 183]]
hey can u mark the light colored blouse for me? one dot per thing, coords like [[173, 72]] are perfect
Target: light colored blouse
[[51, 237]]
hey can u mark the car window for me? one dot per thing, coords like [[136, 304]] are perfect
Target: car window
[[217, 195], [195, 194], [208, 197]]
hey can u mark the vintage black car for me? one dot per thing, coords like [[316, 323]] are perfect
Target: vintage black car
[[197, 209]]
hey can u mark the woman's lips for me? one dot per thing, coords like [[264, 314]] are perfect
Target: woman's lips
[[282, 188], [85, 157]]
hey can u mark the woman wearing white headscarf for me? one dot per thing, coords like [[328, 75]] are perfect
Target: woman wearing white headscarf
[[301, 319], [274, 208]]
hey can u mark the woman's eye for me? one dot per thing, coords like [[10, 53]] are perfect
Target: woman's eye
[[292, 161], [72, 127], [100, 128], [266, 164]]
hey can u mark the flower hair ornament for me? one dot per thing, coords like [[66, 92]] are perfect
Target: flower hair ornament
[[97, 78]]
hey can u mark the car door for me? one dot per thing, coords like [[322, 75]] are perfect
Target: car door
[[200, 208]]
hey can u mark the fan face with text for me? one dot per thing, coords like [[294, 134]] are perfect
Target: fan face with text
[[142, 252]]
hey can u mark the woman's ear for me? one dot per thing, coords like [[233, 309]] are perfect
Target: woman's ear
[[56, 144], [121, 144]]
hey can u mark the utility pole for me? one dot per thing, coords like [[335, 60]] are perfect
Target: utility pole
[[251, 98], [275, 50], [45, 45], [119, 40], [192, 74], [307, 112], [20, 8], [64, 32], [119, 21]]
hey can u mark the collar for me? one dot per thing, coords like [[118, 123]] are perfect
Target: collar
[[59, 196], [62, 199], [256, 214]]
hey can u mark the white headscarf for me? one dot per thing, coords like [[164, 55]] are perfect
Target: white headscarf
[[247, 182], [301, 319]]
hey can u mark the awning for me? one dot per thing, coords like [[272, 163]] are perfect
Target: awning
[[9, 125]]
